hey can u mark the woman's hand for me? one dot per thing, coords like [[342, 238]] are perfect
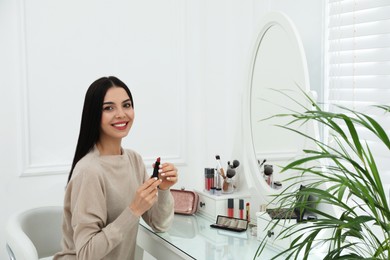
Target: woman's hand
[[145, 196], [168, 175]]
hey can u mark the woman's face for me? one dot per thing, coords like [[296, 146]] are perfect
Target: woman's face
[[117, 115]]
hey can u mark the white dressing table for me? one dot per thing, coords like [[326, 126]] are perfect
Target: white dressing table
[[191, 237]]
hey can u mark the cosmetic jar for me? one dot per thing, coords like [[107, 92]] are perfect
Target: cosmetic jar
[[277, 185]]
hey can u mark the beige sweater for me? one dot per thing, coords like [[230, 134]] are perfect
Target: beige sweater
[[98, 223]]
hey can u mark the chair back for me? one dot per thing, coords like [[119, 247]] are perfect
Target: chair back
[[35, 233]]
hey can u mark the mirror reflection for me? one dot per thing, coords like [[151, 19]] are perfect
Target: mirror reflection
[[278, 73]]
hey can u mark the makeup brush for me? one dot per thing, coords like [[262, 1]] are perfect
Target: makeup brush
[[230, 173], [268, 169], [234, 165], [225, 186], [220, 169], [261, 163]]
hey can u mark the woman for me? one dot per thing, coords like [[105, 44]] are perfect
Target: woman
[[108, 187]]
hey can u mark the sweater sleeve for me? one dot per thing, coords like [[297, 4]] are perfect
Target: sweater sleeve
[[93, 238], [160, 216]]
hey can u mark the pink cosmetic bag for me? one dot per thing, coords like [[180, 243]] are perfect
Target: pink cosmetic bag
[[186, 202]]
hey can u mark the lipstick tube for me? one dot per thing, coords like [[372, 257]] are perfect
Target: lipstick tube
[[241, 208], [156, 167], [206, 182], [248, 210], [209, 178], [230, 208]]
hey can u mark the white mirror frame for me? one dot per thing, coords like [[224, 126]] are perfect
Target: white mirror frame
[[253, 175]]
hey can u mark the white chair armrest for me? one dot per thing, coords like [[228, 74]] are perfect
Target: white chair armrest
[[15, 237]]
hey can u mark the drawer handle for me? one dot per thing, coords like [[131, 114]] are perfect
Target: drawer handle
[[202, 204], [270, 233]]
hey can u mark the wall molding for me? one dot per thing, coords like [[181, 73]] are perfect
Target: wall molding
[[31, 168]]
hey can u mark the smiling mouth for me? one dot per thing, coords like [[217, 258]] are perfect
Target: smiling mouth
[[120, 126]]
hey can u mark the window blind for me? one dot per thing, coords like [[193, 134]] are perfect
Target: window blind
[[359, 64]]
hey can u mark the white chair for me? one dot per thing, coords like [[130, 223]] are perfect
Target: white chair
[[35, 233]]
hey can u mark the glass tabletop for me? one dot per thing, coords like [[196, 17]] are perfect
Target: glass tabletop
[[193, 236]]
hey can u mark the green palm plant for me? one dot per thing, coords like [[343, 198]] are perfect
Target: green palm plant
[[344, 177]]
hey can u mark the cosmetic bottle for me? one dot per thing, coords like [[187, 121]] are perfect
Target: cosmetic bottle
[[208, 178], [230, 208], [207, 185], [241, 208], [217, 182]]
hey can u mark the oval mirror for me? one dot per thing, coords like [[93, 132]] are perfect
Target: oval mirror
[[278, 73]]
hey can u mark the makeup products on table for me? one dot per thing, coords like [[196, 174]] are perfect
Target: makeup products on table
[[216, 198], [230, 223], [156, 167], [209, 178], [248, 210], [221, 180], [218, 185], [234, 165], [221, 172], [220, 169], [230, 208], [228, 186], [228, 183], [232, 212], [241, 208]]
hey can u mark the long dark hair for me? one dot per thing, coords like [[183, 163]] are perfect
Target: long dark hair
[[92, 115]]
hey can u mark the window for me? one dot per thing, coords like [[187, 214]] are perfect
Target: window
[[359, 64]]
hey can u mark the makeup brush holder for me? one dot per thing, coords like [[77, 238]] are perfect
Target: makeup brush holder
[[228, 186]]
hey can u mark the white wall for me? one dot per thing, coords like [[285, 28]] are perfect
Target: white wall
[[192, 55]]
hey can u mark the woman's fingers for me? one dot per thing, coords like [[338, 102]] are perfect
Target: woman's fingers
[[146, 196]]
